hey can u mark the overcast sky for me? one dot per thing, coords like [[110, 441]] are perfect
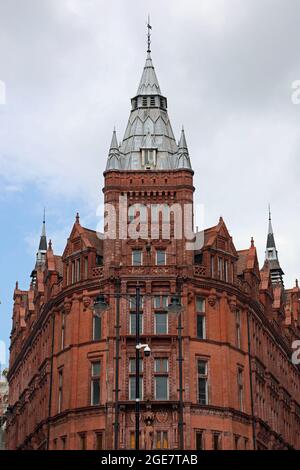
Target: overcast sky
[[70, 68]]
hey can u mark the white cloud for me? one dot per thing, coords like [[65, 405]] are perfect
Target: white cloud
[[71, 66]]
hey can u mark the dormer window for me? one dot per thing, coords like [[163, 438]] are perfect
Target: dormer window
[[149, 158]]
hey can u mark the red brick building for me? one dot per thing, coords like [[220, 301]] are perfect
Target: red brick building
[[240, 387]]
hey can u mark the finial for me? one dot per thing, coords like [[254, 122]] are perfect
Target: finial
[[270, 212], [252, 242], [17, 285], [149, 35], [77, 218], [297, 284], [44, 219], [50, 245]]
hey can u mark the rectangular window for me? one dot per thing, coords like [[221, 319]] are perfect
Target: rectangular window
[[67, 274], [63, 331], [212, 266], [220, 268], [226, 271], [132, 365], [132, 388], [95, 383], [161, 257], [216, 441], [161, 301], [133, 324], [78, 270], [132, 378], [86, 267], [132, 302], [162, 440], [82, 441], [63, 442], [238, 328], [201, 323], [161, 379], [132, 439], [200, 326], [199, 440], [202, 382], [73, 272], [137, 256], [200, 305], [96, 328], [99, 441], [240, 382], [161, 323], [60, 390]]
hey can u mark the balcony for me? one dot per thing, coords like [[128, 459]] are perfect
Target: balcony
[[97, 272], [200, 270]]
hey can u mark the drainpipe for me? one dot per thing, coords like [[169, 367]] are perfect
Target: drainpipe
[[251, 384], [51, 380]]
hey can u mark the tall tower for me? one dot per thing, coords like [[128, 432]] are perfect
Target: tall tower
[[272, 255], [42, 250], [149, 191], [149, 167]]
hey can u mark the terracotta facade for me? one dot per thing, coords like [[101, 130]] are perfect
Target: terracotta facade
[[241, 389]]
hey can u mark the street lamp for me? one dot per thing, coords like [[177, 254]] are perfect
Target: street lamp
[[100, 305], [176, 307]]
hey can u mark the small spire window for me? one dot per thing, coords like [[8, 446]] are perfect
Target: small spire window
[[145, 101], [149, 158]]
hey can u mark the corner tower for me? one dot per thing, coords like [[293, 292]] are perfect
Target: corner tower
[[149, 167]]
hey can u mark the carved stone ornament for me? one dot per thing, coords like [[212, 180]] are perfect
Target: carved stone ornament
[[86, 302], [67, 307], [212, 298]]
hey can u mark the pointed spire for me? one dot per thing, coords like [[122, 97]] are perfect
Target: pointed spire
[[40, 256], [182, 145], [272, 254], [183, 158], [149, 83], [43, 239], [113, 162], [114, 141]]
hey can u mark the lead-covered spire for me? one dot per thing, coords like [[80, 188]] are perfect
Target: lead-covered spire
[[113, 161], [149, 83], [148, 142], [183, 158], [272, 255]]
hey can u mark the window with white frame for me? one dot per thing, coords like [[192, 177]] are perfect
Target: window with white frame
[[132, 379], [161, 323], [202, 382], [137, 258], [201, 319], [240, 383], [95, 383], [161, 378], [238, 328], [161, 257]]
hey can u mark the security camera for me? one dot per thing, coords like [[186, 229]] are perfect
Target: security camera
[[145, 347]]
